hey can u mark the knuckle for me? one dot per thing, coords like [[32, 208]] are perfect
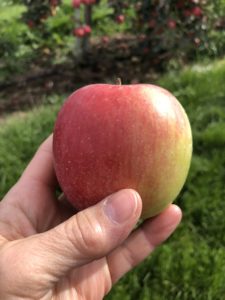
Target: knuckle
[[87, 235], [129, 256]]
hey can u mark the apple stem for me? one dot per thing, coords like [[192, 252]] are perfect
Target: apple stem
[[118, 81]]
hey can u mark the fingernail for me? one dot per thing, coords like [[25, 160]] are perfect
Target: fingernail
[[121, 206]]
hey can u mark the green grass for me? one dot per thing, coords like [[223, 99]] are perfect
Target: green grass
[[20, 135], [191, 265]]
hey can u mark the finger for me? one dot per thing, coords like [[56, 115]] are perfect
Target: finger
[[41, 168], [143, 241], [87, 236]]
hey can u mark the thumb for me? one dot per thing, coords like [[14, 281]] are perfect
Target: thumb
[[88, 235]]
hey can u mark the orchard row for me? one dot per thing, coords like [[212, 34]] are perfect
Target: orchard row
[[160, 26], [148, 13]]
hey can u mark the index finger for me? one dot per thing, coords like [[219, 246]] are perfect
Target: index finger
[[41, 167], [143, 241]]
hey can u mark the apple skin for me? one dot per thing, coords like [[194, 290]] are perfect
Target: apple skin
[[112, 137]]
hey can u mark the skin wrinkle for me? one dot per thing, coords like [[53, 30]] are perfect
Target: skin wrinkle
[[97, 272], [148, 239], [16, 235], [52, 245], [109, 284], [20, 207], [21, 233], [36, 181], [63, 289], [3, 241], [90, 241], [128, 255], [52, 219], [37, 271]]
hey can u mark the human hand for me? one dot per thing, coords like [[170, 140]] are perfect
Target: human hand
[[48, 252]]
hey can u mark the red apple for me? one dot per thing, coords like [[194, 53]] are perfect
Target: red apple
[[197, 11], [87, 29], [120, 19], [172, 24], [88, 2], [111, 137], [79, 32], [54, 2], [76, 3]]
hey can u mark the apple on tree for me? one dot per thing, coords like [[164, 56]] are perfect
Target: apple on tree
[[110, 137], [197, 11], [120, 19], [79, 32], [54, 2], [88, 2], [172, 24], [87, 29], [76, 3]]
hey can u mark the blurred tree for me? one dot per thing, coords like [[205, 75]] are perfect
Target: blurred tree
[[164, 29]]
